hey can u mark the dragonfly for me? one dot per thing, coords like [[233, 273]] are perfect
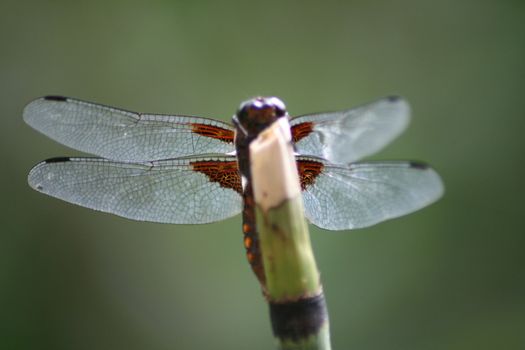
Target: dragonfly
[[182, 169]]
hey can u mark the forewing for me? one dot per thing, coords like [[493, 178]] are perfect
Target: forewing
[[363, 194], [178, 191], [346, 136], [126, 136]]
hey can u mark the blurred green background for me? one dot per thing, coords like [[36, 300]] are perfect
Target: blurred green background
[[448, 277]]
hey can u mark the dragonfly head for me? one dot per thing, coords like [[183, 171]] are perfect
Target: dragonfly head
[[258, 113]]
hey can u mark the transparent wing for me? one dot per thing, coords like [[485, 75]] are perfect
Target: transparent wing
[[127, 136], [346, 136], [363, 194], [179, 191]]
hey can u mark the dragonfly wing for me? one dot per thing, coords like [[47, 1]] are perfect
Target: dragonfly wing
[[346, 136], [180, 191], [340, 197], [127, 136]]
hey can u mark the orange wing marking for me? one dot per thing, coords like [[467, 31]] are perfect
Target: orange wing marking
[[226, 174], [213, 131], [309, 170], [301, 130]]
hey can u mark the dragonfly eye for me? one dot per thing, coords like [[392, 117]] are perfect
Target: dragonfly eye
[[280, 112], [258, 113], [244, 108], [280, 109], [260, 104], [278, 106]]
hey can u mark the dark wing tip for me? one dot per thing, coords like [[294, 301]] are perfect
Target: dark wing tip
[[36, 175], [419, 165], [55, 98], [394, 98], [57, 160]]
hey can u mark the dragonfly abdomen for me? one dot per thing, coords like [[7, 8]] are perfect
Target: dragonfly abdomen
[[251, 238]]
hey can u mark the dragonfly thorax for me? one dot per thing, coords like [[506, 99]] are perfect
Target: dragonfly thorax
[[256, 114]]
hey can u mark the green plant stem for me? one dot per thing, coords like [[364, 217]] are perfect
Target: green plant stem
[[293, 288]]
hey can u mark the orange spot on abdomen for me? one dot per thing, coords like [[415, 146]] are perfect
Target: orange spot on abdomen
[[251, 257], [248, 242]]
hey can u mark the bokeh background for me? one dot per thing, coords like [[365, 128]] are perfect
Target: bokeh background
[[451, 276]]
